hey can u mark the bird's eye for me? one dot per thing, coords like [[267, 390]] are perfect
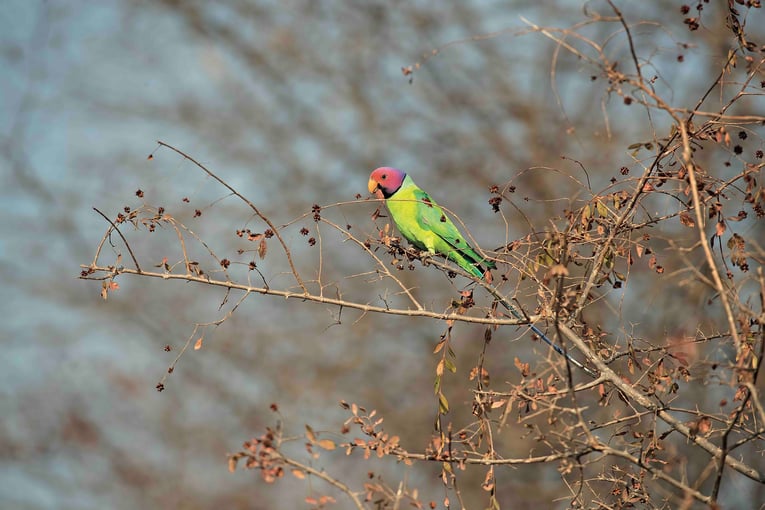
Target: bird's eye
[[384, 176]]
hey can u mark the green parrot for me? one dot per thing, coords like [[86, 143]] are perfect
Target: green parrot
[[422, 222]]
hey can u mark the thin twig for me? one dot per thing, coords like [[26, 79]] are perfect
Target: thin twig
[[322, 475], [135, 261], [252, 206], [660, 411]]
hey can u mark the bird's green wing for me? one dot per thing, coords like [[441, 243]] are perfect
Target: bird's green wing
[[453, 244]]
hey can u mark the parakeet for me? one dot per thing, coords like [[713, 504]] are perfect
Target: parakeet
[[422, 222]]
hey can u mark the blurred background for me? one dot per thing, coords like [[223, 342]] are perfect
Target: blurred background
[[292, 103]]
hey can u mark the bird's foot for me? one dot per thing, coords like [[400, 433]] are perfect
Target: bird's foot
[[424, 256]]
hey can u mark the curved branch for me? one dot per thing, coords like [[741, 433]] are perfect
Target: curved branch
[[251, 206], [661, 412]]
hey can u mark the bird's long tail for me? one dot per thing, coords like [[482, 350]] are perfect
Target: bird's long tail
[[518, 315]]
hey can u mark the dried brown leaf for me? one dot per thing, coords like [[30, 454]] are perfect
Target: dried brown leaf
[[524, 368], [687, 220], [232, 461], [327, 444], [310, 434]]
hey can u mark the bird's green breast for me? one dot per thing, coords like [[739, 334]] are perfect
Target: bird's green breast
[[403, 206]]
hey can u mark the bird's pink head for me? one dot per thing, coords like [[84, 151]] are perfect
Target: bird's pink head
[[386, 179]]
